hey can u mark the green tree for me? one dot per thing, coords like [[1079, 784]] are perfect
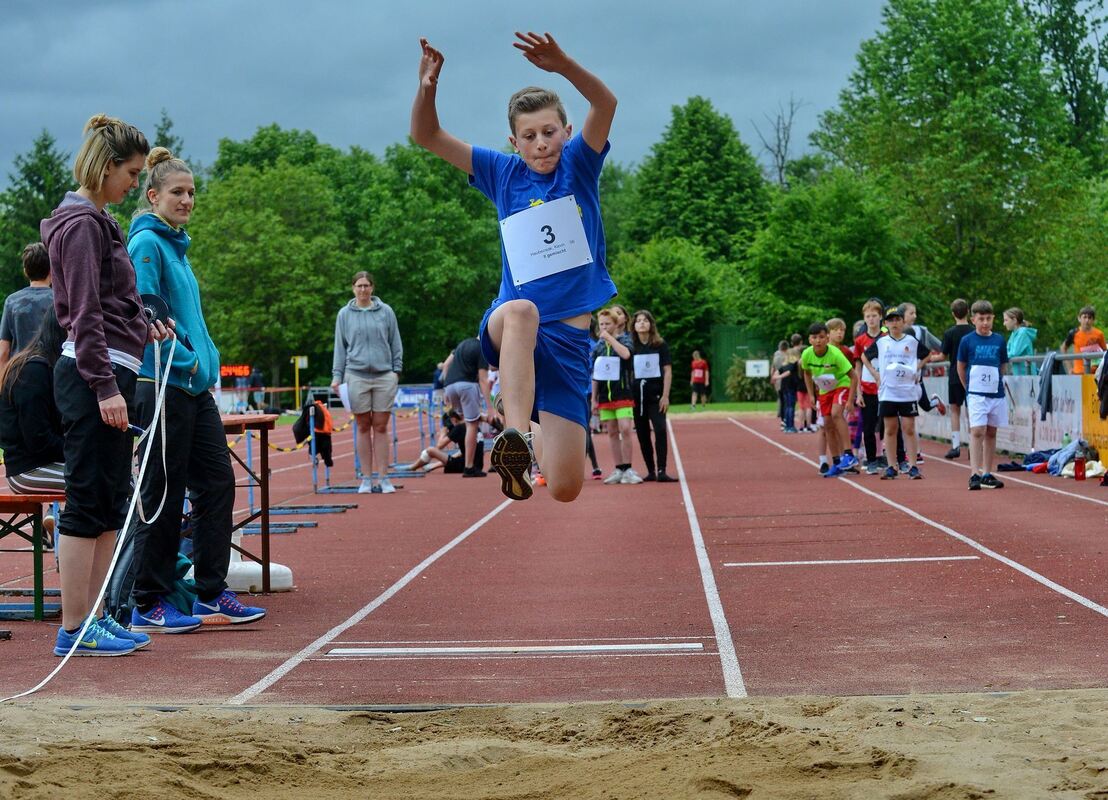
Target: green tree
[[617, 204], [1071, 35], [677, 281], [701, 183], [826, 248], [36, 186], [273, 267], [951, 112], [433, 246]]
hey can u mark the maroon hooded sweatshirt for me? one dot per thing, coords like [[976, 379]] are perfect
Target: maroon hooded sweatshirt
[[94, 289]]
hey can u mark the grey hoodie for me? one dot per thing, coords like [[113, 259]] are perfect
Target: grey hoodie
[[367, 341]]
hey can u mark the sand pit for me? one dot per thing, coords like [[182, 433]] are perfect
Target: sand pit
[[1026, 745]]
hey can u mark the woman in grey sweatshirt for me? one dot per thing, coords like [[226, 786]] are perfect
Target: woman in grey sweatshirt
[[368, 359]]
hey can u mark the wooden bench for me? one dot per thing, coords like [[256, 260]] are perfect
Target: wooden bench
[[21, 514]]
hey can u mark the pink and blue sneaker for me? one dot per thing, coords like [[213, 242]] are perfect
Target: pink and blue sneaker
[[162, 618], [226, 610]]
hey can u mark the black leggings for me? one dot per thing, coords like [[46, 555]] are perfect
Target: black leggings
[[647, 414]]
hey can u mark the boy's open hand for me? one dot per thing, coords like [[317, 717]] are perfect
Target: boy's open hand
[[542, 51], [430, 65]]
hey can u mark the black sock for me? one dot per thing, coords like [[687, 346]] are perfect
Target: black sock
[[623, 467], [835, 460]]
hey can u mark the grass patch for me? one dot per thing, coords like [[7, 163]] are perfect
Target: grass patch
[[683, 408]]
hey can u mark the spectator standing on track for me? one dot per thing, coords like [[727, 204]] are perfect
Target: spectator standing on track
[[779, 358], [195, 455], [700, 379], [827, 370], [24, 309], [94, 380], [653, 378], [1085, 338], [1021, 341], [956, 391], [594, 418], [30, 426], [257, 381], [465, 383], [536, 331], [899, 358], [788, 376], [867, 386], [612, 393], [982, 362], [368, 358]]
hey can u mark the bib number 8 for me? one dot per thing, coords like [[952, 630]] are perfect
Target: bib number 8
[[550, 237]]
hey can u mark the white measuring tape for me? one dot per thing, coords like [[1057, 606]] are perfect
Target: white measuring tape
[[160, 384]]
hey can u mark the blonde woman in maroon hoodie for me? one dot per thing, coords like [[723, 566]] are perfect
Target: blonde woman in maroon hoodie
[[94, 380]]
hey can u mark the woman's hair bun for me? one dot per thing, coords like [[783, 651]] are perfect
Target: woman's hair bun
[[157, 156], [98, 121]]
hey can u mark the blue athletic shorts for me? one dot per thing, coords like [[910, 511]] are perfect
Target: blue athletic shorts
[[562, 376]]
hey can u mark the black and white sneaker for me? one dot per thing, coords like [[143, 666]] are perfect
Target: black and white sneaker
[[990, 481], [974, 482], [512, 457], [953, 452]]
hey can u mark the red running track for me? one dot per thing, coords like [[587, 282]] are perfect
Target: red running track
[[445, 593]]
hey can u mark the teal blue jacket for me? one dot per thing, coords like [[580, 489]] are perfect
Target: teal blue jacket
[[159, 254]]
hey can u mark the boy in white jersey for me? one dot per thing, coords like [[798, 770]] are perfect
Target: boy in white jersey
[[894, 361]]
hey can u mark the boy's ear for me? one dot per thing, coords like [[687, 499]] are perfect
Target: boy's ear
[[512, 142], [569, 131]]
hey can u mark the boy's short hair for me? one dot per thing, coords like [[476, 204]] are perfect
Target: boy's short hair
[[835, 324], [531, 99], [36, 261], [817, 328], [796, 339], [605, 312], [982, 307], [872, 305], [959, 308], [1087, 311]]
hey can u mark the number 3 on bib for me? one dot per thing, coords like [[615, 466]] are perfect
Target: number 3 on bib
[[544, 240]]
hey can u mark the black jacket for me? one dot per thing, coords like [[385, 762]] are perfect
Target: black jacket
[[30, 425]]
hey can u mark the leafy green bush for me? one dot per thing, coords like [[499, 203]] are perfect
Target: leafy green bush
[[741, 388]]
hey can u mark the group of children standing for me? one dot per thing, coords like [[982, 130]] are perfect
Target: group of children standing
[[878, 383]]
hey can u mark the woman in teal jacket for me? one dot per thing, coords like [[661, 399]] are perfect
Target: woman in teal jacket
[[1021, 342], [196, 454]]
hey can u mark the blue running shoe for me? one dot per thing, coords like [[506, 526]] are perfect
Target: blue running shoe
[[96, 642], [109, 623], [848, 460], [889, 474], [163, 618], [226, 610], [914, 474], [835, 471]]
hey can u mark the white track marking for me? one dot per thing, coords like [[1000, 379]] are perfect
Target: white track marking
[[1030, 573], [365, 611], [549, 649], [1008, 476], [729, 661], [848, 561], [419, 642]]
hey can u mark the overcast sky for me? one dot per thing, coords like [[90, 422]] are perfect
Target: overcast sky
[[347, 70]]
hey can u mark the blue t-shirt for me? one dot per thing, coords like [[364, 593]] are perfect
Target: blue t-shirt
[[513, 187], [983, 351]]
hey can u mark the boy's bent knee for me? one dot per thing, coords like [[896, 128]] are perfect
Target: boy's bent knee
[[565, 491], [521, 312]]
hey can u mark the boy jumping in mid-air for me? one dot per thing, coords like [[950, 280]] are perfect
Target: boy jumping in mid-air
[[547, 199]]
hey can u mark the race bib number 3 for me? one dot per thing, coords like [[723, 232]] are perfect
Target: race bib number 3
[[606, 368], [647, 365], [984, 380], [544, 240]]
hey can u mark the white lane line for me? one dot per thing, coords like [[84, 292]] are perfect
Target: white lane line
[[424, 642], [545, 657], [1030, 573], [848, 561], [365, 611], [1008, 476], [549, 649], [732, 675]]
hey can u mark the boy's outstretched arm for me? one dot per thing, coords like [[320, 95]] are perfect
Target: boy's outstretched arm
[[545, 53], [426, 131]]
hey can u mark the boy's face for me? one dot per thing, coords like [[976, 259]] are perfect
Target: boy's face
[[539, 138], [606, 324], [895, 326], [836, 335], [983, 323], [873, 319], [818, 341], [909, 314], [1086, 321]]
